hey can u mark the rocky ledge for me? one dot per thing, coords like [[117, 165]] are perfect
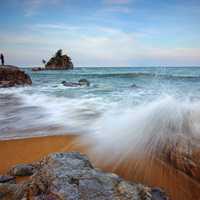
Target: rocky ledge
[[71, 176], [13, 76]]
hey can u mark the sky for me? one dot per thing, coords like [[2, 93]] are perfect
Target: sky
[[97, 33]]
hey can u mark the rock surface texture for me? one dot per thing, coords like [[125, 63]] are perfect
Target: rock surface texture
[[13, 76], [70, 176], [59, 62], [22, 170], [183, 153]]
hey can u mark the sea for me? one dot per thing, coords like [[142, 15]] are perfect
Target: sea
[[118, 100]]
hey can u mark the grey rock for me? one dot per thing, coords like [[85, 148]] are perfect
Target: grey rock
[[84, 82], [7, 178], [158, 194], [70, 84], [12, 191], [81, 82], [22, 170], [71, 176]]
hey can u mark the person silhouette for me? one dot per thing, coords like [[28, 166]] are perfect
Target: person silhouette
[[2, 59]]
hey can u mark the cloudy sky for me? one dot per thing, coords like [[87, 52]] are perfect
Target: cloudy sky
[[102, 32]]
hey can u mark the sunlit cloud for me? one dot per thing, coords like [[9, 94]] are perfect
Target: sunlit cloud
[[102, 33], [95, 46]]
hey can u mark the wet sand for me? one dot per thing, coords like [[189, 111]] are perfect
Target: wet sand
[[154, 173], [28, 150]]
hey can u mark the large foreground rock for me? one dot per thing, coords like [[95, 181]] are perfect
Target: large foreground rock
[[70, 176], [13, 76], [183, 153]]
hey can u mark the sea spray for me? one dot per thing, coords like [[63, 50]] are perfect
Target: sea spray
[[145, 127], [148, 142]]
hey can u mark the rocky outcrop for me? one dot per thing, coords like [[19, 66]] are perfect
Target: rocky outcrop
[[70, 176], [81, 82], [13, 76], [84, 82], [59, 62]]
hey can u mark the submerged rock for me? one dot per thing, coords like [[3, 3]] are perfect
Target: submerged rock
[[35, 69], [81, 82], [84, 82], [59, 62], [22, 170], [12, 76], [70, 84]]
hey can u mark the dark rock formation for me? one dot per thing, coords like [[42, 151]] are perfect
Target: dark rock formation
[[7, 179], [158, 194], [35, 69], [59, 62], [82, 82], [70, 176], [70, 84], [12, 76], [22, 170]]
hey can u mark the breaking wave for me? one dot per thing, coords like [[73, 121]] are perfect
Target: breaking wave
[[145, 128]]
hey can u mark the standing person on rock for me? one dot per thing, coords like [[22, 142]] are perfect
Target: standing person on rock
[[2, 59]]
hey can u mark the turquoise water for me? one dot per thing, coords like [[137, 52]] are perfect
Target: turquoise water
[[48, 107]]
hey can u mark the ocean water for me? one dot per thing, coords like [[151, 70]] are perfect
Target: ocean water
[[118, 100]]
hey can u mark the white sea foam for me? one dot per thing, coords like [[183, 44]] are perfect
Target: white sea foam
[[144, 128]]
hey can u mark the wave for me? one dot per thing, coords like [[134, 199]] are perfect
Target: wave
[[150, 143], [141, 75], [145, 127], [42, 112]]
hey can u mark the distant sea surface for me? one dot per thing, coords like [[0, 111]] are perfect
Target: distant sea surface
[[48, 108]]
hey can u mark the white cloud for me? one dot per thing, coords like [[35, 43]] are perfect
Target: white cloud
[[91, 46]]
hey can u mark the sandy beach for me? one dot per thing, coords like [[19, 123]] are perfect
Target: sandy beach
[[29, 150], [178, 184]]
